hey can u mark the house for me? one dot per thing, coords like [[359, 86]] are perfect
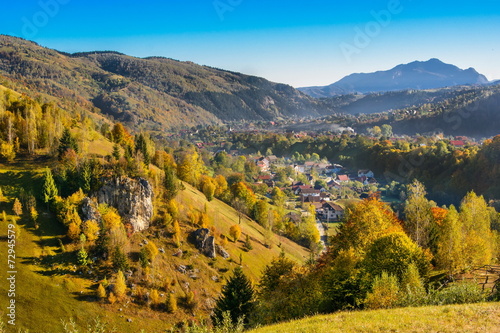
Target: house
[[342, 178], [298, 188], [306, 192], [332, 211], [309, 192], [309, 165], [457, 143], [264, 178], [335, 168], [316, 200], [263, 164], [333, 183], [272, 159], [365, 173], [298, 168]]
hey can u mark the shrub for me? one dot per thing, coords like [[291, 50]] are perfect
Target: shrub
[[384, 294], [460, 292]]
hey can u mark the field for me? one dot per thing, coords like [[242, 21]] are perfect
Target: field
[[484, 318]]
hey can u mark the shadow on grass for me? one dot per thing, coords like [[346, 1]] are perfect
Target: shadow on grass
[[88, 296]]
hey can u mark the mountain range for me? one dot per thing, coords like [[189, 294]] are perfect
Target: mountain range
[[164, 95], [151, 93], [417, 75]]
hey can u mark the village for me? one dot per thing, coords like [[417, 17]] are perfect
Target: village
[[329, 187]]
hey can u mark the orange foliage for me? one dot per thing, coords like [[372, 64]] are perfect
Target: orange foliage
[[439, 215]]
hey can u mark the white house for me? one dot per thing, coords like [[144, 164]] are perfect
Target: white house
[[332, 211]]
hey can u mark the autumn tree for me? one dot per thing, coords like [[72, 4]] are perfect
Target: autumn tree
[[190, 167], [364, 222], [82, 257], [17, 208], [450, 245], [343, 284], [171, 304], [91, 230], [418, 215], [120, 286], [208, 189], [148, 253], [7, 151], [235, 232], [101, 292], [412, 290], [308, 229], [242, 193], [393, 253], [177, 234], [154, 297], [476, 227], [261, 212]]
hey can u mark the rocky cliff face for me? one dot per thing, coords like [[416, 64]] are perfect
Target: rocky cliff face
[[133, 198]]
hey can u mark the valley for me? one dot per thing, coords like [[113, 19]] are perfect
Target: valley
[[153, 195]]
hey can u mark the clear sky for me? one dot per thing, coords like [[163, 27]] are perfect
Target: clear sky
[[301, 43]]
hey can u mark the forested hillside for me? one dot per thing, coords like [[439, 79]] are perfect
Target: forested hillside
[[152, 93]]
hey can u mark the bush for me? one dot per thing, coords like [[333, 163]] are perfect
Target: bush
[[458, 293], [384, 294]]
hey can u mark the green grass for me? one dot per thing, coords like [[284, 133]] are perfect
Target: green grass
[[223, 217], [484, 317], [48, 289]]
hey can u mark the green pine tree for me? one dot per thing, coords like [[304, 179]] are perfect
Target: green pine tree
[[237, 299], [49, 187], [116, 151], [120, 260], [83, 257], [67, 141], [171, 183]]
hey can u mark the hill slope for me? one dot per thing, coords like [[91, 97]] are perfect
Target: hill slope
[[452, 318], [151, 93], [49, 289], [419, 75]]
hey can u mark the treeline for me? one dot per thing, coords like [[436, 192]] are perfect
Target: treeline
[[27, 125], [379, 261]]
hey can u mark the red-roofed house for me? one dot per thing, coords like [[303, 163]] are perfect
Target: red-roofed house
[[457, 143], [342, 178]]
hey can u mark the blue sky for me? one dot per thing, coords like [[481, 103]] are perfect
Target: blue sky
[[296, 42]]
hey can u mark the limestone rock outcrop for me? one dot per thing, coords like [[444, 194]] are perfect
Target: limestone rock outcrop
[[133, 198]]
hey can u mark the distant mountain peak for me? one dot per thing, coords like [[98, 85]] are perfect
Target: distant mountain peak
[[430, 74]]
